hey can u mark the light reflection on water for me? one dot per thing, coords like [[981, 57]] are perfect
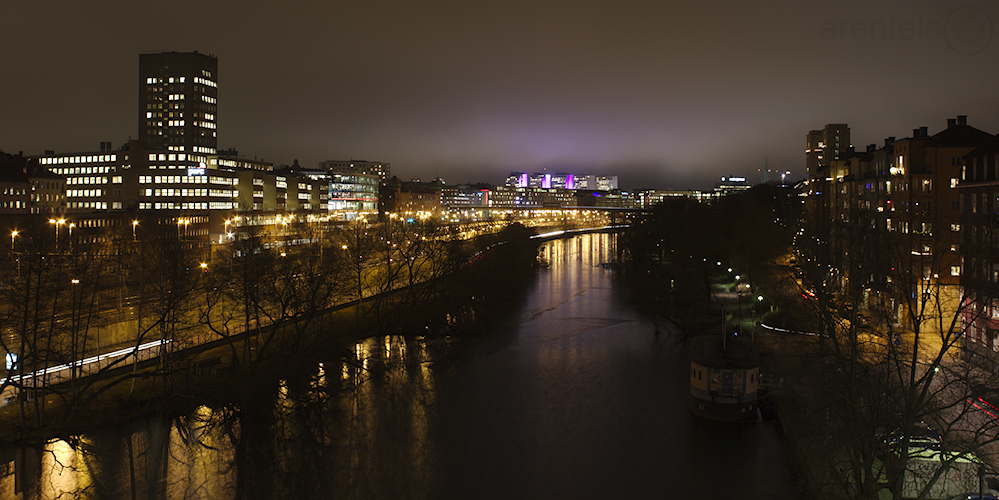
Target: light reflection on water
[[571, 396]]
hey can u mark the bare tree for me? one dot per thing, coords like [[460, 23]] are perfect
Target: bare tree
[[884, 366]]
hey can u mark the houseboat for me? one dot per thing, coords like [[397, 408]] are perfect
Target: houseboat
[[724, 377]]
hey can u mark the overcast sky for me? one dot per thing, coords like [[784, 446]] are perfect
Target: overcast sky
[[662, 94]]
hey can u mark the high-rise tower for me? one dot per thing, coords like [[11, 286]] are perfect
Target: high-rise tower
[[177, 101], [825, 146]]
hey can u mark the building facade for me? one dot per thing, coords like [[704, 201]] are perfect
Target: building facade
[[380, 169], [178, 93], [890, 221], [353, 195], [979, 248], [15, 187]]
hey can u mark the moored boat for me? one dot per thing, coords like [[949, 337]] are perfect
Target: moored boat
[[724, 377]]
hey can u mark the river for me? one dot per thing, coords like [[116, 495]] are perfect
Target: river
[[570, 395]]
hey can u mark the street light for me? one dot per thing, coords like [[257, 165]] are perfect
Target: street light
[[59, 223], [55, 224], [13, 234]]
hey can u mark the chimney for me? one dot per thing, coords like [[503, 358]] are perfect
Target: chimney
[[889, 140], [962, 120], [872, 148], [915, 133], [924, 131], [951, 122]]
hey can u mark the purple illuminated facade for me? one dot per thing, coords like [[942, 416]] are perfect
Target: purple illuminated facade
[[559, 180]]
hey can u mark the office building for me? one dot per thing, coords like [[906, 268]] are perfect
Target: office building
[[381, 169], [178, 94]]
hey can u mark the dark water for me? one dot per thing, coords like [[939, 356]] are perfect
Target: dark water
[[570, 396]]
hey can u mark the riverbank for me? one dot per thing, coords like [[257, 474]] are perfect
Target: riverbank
[[231, 369]]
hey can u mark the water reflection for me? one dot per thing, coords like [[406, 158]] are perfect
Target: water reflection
[[571, 397]]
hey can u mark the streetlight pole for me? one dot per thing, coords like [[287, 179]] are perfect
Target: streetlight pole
[[74, 367], [13, 234]]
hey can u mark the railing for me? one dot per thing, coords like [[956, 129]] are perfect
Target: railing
[[87, 366]]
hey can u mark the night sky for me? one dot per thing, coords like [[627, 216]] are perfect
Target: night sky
[[662, 94]]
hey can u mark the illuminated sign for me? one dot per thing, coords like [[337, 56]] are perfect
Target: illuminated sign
[[737, 179], [195, 171]]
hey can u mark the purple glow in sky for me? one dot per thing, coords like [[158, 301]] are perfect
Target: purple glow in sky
[[661, 94]]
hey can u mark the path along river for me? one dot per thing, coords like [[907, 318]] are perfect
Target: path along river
[[571, 395]]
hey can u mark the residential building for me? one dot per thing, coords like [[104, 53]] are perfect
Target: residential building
[[15, 187], [824, 146], [979, 249], [894, 211]]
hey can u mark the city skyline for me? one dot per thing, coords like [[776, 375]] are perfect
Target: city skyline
[[662, 96]]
